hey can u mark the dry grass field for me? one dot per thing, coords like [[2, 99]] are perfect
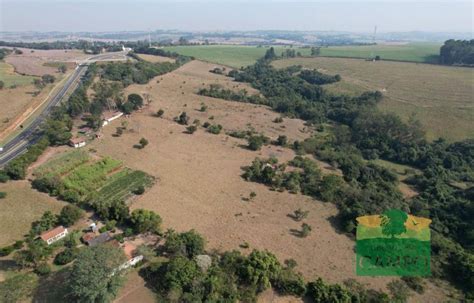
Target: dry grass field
[[155, 59], [439, 96], [199, 184], [20, 208], [38, 62]]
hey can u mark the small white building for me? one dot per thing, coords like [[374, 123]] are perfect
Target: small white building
[[54, 234], [132, 258], [77, 142], [110, 116]]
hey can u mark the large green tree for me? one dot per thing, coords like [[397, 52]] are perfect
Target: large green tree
[[94, 275]]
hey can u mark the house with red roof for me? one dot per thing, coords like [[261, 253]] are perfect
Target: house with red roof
[[54, 234]]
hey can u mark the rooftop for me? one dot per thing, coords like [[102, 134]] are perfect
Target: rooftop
[[52, 233]]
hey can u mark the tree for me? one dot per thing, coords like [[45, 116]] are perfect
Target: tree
[[2, 84], [282, 140], [270, 54], [3, 194], [47, 221], [70, 214], [95, 276], [66, 256], [191, 129], [58, 131], [145, 221], [260, 268], [319, 292], [143, 142], [183, 119], [300, 214], [136, 100], [180, 273], [18, 287], [160, 113], [393, 222], [305, 230], [189, 244], [48, 79], [255, 142], [399, 290], [62, 68], [115, 210]]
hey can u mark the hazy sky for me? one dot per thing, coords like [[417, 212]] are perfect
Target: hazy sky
[[129, 15]]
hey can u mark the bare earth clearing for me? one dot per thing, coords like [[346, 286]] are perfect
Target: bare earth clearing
[[199, 184], [32, 62], [439, 96]]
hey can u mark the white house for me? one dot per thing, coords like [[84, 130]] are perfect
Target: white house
[[54, 234], [110, 116], [77, 142]]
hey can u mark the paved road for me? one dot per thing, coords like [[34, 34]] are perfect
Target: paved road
[[30, 134]]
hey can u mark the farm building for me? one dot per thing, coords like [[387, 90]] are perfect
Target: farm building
[[54, 234], [132, 258], [94, 241], [108, 117], [77, 142]]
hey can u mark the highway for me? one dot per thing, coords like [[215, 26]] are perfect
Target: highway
[[30, 134]]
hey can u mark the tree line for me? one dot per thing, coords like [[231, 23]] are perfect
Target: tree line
[[457, 52], [363, 133]]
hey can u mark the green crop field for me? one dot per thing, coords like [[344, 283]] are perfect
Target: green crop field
[[94, 180], [88, 177], [237, 55], [121, 184], [439, 96], [10, 77], [62, 164]]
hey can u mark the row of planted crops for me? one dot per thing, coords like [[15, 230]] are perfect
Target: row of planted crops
[[78, 177]]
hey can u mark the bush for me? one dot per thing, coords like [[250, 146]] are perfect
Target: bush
[[183, 119], [203, 107], [110, 224], [214, 129], [278, 120], [66, 256], [290, 283], [70, 214], [140, 190], [305, 230], [206, 124], [5, 251], [2, 194], [18, 244], [255, 142], [189, 244], [415, 283], [299, 214], [3, 176], [191, 129], [43, 269], [160, 113], [143, 142], [282, 140]]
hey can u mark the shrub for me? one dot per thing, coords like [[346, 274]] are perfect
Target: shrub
[[3, 176], [415, 283], [305, 230], [399, 291], [18, 244], [5, 251], [66, 256], [70, 214], [255, 142], [43, 269], [145, 221], [278, 120], [214, 129], [203, 107], [140, 190], [188, 243], [160, 113], [282, 140], [290, 283], [182, 119], [191, 129], [143, 142], [110, 224], [299, 214], [206, 124], [2, 194]]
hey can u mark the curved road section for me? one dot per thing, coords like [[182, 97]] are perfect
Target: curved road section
[[30, 134]]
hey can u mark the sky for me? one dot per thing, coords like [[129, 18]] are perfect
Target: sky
[[224, 15]]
